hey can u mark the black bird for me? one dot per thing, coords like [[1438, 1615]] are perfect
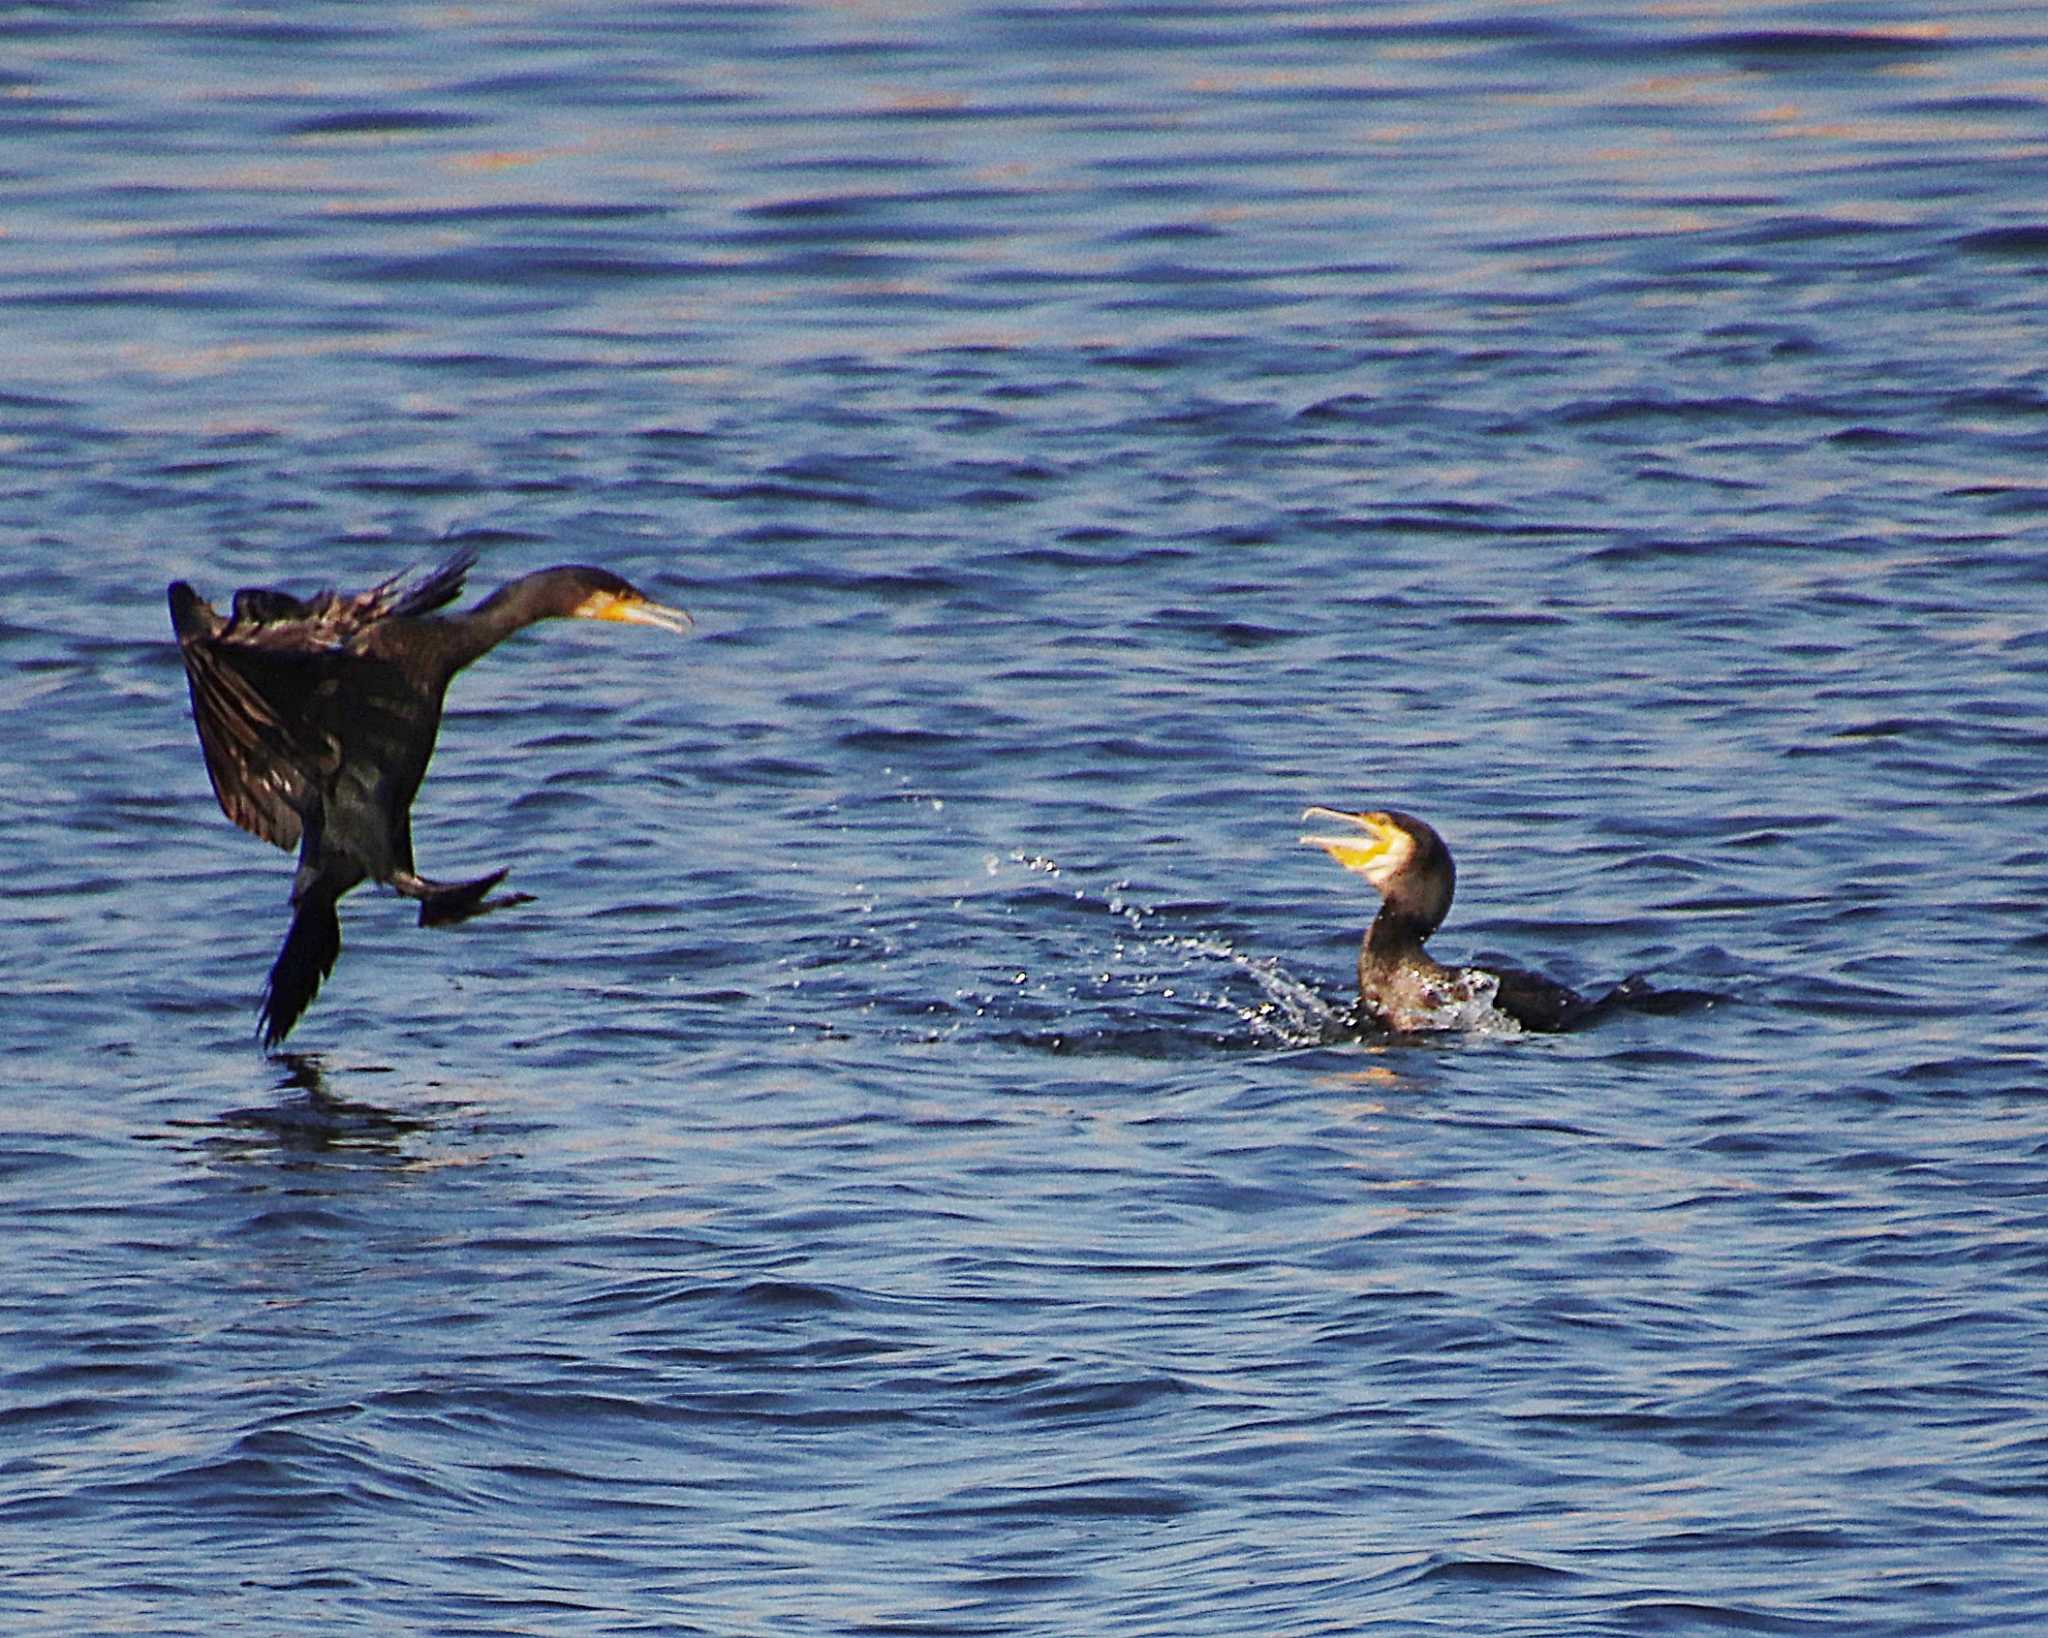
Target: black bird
[[1400, 986], [318, 716]]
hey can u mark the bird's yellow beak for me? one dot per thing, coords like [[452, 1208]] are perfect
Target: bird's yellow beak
[[631, 608], [1359, 852]]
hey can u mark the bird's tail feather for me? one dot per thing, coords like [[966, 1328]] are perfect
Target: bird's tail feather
[[308, 956]]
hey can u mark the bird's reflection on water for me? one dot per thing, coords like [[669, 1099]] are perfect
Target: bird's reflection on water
[[309, 1117]]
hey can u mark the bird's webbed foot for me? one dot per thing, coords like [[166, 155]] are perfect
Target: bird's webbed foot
[[443, 904]]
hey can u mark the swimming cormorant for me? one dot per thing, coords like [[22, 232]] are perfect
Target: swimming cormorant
[[1400, 986], [318, 715]]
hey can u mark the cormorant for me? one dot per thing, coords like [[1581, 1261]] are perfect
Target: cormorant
[[1400, 986], [318, 715]]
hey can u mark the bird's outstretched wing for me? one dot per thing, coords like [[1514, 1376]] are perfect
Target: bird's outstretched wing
[[283, 694], [258, 771], [431, 591], [330, 617]]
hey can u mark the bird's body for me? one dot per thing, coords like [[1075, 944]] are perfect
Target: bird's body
[[1401, 987], [318, 716]]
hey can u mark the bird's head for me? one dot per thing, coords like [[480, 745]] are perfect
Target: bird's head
[[1403, 858], [579, 592]]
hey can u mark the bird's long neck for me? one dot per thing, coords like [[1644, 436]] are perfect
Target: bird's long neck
[[1395, 937], [475, 632], [1416, 898]]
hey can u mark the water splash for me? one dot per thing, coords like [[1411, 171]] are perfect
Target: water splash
[[1287, 1011], [1156, 983], [1464, 1001]]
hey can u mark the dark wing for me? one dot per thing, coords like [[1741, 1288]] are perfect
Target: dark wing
[[346, 616], [1536, 1002], [330, 619], [258, 603], [258, 773], [435, 590], [287, 692]]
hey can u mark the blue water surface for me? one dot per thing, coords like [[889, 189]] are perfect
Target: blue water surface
[[905, 1172]]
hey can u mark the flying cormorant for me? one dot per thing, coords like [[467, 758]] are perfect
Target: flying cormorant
[[318, 715]]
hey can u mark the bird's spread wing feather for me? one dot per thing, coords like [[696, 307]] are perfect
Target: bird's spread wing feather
[[430, 591], [256, 770], [284, 694]]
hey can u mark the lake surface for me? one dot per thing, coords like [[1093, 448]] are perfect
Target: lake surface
[[903, 1174]]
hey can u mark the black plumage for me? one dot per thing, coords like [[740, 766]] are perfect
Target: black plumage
[[1401, 986], [317, 717]]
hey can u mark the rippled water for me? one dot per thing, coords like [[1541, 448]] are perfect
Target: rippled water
[[899, 1176]]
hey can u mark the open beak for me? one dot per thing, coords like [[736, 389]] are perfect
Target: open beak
[[1370, 838], [633, 611]]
